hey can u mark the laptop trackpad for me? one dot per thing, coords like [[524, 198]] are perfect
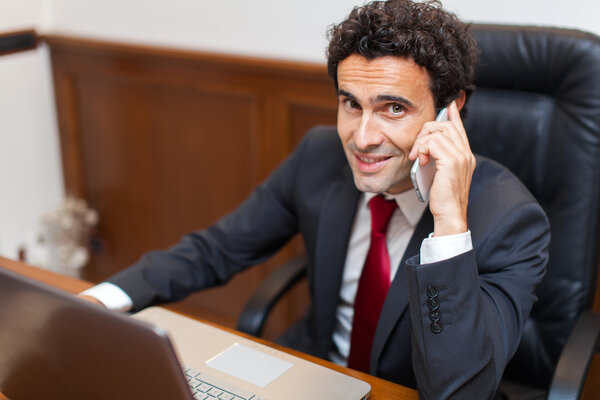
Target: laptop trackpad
[[250, 365]]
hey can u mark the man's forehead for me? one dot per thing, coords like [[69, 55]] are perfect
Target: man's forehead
[[389, 75]]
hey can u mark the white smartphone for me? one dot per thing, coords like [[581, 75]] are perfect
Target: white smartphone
[[422, 175]]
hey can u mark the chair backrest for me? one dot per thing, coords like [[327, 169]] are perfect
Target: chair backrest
[[537, 111]]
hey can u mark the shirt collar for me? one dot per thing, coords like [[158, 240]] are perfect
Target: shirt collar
[[408, 203]]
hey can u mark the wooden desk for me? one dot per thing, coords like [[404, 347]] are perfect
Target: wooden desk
[[381, 389]]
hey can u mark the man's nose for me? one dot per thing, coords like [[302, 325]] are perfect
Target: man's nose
[[367, 135]]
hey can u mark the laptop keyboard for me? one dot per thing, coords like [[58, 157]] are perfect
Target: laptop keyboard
[[205, 387]]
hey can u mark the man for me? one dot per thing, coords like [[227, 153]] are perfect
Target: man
[[437, 295]]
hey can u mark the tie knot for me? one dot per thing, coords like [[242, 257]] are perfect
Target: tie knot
[[381, 212]]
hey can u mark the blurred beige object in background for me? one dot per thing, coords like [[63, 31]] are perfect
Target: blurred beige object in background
[[61, 242]]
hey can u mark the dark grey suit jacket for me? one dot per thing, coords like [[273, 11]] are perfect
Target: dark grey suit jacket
[[483, 296]]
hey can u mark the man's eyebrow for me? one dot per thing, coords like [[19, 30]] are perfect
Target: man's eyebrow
[[396, 99], [342, 92], [380, 98]]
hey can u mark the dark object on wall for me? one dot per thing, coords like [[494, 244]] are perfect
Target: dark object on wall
[[13, 42]]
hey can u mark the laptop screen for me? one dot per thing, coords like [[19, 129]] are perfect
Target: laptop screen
[[56, 346]]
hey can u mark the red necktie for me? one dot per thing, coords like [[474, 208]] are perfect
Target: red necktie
[[372, 287]]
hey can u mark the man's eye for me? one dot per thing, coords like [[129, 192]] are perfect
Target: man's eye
[[352, 104], [396, 108]]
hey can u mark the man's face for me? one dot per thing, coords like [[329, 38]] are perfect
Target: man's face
[[383, 104]]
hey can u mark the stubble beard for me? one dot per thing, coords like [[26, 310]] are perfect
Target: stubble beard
[[386, 183], [393, 177]]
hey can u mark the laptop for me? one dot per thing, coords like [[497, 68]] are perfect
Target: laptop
[[55, 346]]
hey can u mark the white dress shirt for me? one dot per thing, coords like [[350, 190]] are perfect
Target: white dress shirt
[[400, 230], [112, 296]]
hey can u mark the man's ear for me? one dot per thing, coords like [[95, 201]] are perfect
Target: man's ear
[[461, 99]]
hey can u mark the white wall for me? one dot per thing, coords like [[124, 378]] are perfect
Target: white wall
[[30, 171], [21, 14], [289, 29], [30, 174], [268, 28]]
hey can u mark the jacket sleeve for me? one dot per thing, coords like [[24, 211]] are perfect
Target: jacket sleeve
[[468, 312]]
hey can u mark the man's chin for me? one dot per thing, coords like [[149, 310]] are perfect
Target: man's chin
[[372, 185]]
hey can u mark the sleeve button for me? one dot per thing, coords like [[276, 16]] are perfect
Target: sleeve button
[[433, 304], [436, 327], [432, 291]]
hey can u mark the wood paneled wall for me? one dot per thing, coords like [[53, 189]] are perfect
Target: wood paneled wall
[[162, 142]]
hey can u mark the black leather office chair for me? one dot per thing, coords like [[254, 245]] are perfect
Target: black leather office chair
[[537, 111]]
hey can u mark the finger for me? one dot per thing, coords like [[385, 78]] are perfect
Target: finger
[[424, 158], [447, 128], [444, 133], [421, 153], [440, 147], [456, 120], [453, 128], [451, 158], [429, 128], [446, 153], [450, 131]]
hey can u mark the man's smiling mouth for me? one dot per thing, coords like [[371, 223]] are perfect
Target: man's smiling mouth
[[370, 163], [371, 160]]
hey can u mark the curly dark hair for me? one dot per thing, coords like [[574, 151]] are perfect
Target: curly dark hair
[[432, 37]]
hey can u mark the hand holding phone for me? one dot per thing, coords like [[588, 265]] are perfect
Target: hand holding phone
[[422, 175]]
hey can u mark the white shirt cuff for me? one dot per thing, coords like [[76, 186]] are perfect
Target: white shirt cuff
[[434, 249], [112, 296]]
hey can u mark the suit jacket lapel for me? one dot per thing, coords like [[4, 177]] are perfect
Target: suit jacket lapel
[[337, 217], [396, 302]]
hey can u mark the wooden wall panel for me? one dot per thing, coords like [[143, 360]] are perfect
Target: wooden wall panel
[[139, 160], [162, 142]]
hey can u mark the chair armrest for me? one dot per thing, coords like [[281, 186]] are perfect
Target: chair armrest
[[257, 309], [574, 362]]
